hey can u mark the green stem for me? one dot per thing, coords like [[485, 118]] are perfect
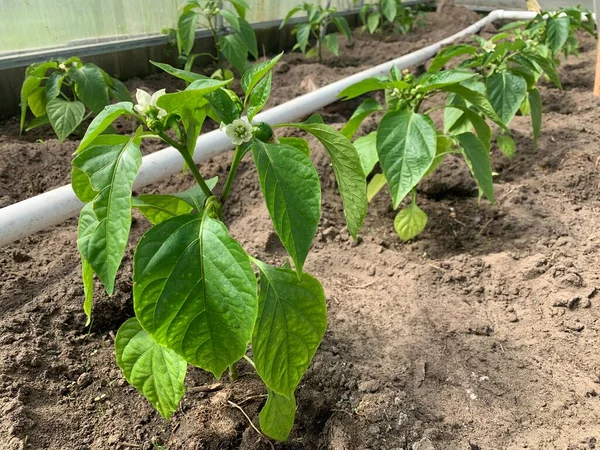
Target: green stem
[[233, 372], [189, 161], [237, 158], [247, 358]]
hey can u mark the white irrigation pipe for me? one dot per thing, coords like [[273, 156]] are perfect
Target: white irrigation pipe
[[54, 207]]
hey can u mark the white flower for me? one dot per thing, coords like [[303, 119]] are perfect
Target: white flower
[[146, 104], [489, 46], [61, 66], [239, 131]]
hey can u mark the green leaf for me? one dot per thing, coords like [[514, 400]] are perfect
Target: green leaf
[[389, 9], [297, 143], [30, 84], [292, 192], [178, 73], [104, 223], [256, 73], [375, 185], [448, 53], [289, 15], [506, 93], [231, 18], [557, 32], [302, 35], [119, 91], [235, 51], [276, 419], [507, 145], [331, 43], [362, 87], [156, 372], [37, 122], [186, 31], [366, 108], [347, 169], [87, 274], [195, 291], [38, 70], [240, 6], [159, 207], [445, 146], [410, 222], [90, 87], [548, 66], [406, 144], [366, 146], [535, 104], [436, 80], [37, 101], [195, 196], [53, 85], [343, 26], [373, 22], [260, 96], [223, 106], [477, 99], [102, 121], [249, 37], [64, 116], [194, 96], [292, 319], [478, 157]]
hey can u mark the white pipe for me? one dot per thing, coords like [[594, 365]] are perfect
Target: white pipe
[[54, 207]]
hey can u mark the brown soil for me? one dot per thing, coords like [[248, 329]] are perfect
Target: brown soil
[[481, 334]]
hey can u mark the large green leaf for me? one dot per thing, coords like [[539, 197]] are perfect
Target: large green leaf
[[347, 169], [256, 73], [292, 192], [102, 121], [195, 196], [53, 84], [506, 93], [260, 96], [302, 36], [406, 144], [276, 419], [436, 80], [373, 21], [507, 145], [235, 51], [365, 109], [366, 146], [535, 104], [156, 372], [64, 116], [90, 86], [548, 67], [296, 142], [195, 291], [37, 101], [332, 43], [557, 32], [389, 9], [473, 120], [159, 207], [292, 319], [29, 85], [410, 222], [478, 100], [248, 36], [104, 223], [478, 157], [186, 31]]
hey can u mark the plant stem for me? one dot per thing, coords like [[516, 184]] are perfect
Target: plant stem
[[233, 372], [189, 161], [237, 158]]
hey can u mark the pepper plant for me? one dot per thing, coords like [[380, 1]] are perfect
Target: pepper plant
[[511, 65], [65, 92], [318, 19], [557, 29], [234, 46], [196, 297], [408, 146], [387, 14]]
